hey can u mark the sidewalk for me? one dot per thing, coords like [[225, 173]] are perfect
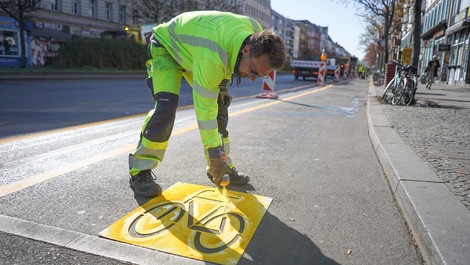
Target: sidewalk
[[424, 151]]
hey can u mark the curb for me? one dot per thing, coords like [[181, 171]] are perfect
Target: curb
[[89, 244], [439, 222]]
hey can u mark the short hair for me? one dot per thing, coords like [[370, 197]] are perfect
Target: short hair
[[270, 43]]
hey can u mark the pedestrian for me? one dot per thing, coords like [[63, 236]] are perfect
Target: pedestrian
[[208, 49], [431, 71]]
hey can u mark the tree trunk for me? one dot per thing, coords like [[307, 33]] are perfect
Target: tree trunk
[[23, 45], [386, 37], [416, 32]]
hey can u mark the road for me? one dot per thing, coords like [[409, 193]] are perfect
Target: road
[[309, 151], [29, 106]]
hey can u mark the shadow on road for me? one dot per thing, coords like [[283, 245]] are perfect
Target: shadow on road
[[276, 243]]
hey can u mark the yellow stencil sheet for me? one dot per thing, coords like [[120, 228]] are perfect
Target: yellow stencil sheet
[[194, 221]]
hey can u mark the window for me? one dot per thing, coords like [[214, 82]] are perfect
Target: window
[[135, 16], [9, 43], [109, 11], [55, 5], [94, 8], [76, 7], [122, 14]]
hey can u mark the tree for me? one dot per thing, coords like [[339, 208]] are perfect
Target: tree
[[387, 11], [221, 5], [371, 54], [416, 31], [371, 39], [19, 11], [158, 11]]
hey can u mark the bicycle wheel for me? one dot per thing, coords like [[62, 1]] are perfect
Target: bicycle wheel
[[409, 95], [226, 230], [398, 92], [157, 219], [388, 91]]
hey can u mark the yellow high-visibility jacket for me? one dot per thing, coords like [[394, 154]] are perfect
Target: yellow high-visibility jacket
[[206, 44]]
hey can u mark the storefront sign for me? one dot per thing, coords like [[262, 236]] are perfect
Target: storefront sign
[[406, 56], [50, 26], [444, 48]]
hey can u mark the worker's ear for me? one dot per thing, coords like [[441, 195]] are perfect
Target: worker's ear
[[246, 49]]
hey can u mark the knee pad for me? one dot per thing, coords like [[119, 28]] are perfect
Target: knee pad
[[160, 125]]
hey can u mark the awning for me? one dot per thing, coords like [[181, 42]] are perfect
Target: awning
[[459, 26], [430, 33]]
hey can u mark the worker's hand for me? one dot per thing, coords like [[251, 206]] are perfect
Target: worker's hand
[[224, 98], [219, 171]]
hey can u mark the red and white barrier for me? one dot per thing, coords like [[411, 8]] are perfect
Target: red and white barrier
[[337, 71], [321, 74], [345, 73], [268, 87]]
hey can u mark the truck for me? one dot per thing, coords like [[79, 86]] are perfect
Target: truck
[[304, 69]]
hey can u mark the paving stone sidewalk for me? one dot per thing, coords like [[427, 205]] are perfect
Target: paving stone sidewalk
[[437, 128]]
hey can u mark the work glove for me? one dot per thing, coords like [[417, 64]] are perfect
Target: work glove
[[218, 171], [224, 97]]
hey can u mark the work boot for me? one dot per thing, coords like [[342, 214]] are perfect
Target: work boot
[[143, 184], [238, 178]]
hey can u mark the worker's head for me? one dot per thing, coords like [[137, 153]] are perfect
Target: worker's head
[[434, 57], [263, 53]]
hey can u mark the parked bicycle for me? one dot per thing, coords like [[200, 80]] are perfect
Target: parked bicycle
[[402, 88], [378, 78]]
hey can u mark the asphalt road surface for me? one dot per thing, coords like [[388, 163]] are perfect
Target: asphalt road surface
[[309, 151]]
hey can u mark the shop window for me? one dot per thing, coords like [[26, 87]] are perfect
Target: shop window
[[9, 43], [454, 51]]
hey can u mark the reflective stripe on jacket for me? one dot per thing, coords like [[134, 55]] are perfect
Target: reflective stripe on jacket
[[206, 44]]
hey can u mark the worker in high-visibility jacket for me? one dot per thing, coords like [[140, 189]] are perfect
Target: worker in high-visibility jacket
[[207, 48]]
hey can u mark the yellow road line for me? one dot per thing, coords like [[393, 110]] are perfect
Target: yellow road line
[[275, 102], [36, 179], [32, 135], [71, 128]]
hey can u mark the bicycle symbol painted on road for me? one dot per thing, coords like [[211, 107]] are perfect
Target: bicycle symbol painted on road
[[215, 224], [194, 221]]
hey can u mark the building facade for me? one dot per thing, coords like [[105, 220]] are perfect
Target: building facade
[[259, 10], [456, 55], [433, 34], [445, 33], [284, 27], [53, 22]]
